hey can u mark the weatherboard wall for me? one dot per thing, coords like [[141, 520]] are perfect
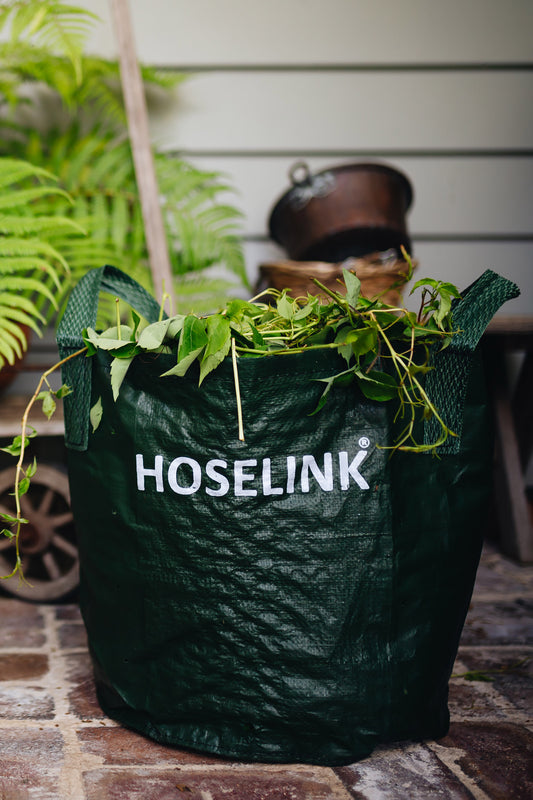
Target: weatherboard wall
[[443, 92]]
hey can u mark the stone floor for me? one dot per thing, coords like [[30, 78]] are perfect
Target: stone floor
[[56, 744]]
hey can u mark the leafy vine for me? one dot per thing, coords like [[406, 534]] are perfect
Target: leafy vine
[[387, 351]]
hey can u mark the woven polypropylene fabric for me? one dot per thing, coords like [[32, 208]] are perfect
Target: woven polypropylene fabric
[[294, 597], [447, 382], [81, 313], [232, 602]]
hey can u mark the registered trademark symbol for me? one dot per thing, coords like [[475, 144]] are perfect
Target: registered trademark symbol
[[364, 442]]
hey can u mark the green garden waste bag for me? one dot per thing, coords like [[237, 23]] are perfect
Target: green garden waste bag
[[294, 597]]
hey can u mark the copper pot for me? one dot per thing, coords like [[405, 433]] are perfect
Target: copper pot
[[347, 210]]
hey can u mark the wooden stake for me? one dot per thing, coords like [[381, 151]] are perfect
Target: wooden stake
[[143, 160]]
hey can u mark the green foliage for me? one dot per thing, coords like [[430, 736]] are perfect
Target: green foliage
[[44, 43], [33, 268], [82, 177], [17, 448], [35, 31], [387, 350], [97, 172], [436, 300]]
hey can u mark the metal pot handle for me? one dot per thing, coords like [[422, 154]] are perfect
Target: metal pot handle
[[300, 174], [306, 186]]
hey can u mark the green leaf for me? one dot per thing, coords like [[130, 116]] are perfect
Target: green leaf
[[445, 306], [119, 368], [424, 282], [303, 312], [152, 337], [63, 391], [88, 335], [23, 486], [377, 385], [324, 396], [183, 364], [193, 336], [95, 414], [218, 345], [257, 339], [321, 336], [8, 517], [127, 350], [414, 369], [285, 307], [175, 326], [238, 308], [49, 405], [341, 379], [353, 287], [32, 469], [136, 322], [122, 333], [108, 340], [363, 341], [218, 334], [109, 344], [15, 448], [8, 534]]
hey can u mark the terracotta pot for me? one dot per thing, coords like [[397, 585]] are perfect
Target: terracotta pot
[[347, 210], [380, 274]]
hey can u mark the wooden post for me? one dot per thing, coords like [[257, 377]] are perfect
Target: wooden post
[[143, 160]]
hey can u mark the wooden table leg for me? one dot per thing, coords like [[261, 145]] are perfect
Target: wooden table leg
[[515, 525]]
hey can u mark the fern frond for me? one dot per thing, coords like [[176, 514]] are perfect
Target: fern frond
[[11, 300], [50, 25], [113, 169], [15, 170], [78, 157], [17, 266], [23, 197], [11, 345], [203, 292], [13, 225], [13, 339], [27, 285], [161, 78], [120, 222], [7, 354], [32, 269], [13, 246], [16, 315], [16, 331]]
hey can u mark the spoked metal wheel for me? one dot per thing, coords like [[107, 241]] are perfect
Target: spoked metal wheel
[[47, 543]]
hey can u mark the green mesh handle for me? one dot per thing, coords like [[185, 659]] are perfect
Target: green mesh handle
[[447, 384], [81, 313]]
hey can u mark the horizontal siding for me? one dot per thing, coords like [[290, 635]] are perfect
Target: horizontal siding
[[441, 91], [496, 191], [243, 33], [325, 112]]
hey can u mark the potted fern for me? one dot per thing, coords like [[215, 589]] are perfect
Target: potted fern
[[33, 272], [83, 209]]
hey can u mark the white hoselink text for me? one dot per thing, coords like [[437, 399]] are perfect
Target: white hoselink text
[[249, 477]]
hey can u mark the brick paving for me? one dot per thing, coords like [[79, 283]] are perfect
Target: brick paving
[[56, 743]]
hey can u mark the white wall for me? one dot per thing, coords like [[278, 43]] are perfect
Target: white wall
[[442, 91]]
